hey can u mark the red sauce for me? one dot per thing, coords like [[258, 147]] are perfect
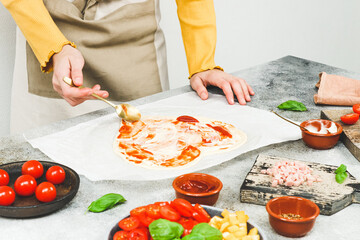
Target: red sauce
[[187, 155], [123, 106], [185, 118], [317, 125], [128, 130], [197, 186], [221, 130], [206, 140]]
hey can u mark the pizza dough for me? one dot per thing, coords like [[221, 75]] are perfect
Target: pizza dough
[[167, 142]]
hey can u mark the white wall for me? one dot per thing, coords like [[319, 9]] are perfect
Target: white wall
[[7, 56], [250, 32]]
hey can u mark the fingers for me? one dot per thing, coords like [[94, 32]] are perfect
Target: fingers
[[69, 63], [229, 84], [239, 92], [251, 91], [198, 85], [97, 90], [227, 89], [77, 65]]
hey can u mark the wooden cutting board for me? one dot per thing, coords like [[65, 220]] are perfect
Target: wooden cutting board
[[330, 196], [351, 133]]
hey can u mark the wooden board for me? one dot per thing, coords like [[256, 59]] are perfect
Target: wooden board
[[330, 196], [351, 133]]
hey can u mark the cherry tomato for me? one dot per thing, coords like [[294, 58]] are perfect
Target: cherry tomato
[[350, 118], [7, 195], [138, 234], [188, 224], [129, 223], [25, 185], [183, 207], [145, 219], [55, 174], [121, 235], [153, 211], [137, 211], [4, 178], [169, 213], [45, 192], [200, 214], [33, 168], [356, 108]]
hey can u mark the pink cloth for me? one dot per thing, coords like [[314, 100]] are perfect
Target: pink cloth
[[337, 90]]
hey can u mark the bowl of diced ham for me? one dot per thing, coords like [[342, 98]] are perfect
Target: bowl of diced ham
[[292, 216], [320, 133]]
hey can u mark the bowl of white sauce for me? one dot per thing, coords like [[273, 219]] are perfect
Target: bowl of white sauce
[[320, 133]]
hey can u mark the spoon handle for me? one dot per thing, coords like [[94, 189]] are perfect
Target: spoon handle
[[69, 82], [290, 121]]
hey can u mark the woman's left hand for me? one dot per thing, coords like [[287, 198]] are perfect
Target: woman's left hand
[[228, 83]]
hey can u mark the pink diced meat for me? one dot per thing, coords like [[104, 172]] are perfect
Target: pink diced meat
[[291, 174]]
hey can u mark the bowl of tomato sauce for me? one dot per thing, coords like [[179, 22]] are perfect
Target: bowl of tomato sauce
[[198, 188]]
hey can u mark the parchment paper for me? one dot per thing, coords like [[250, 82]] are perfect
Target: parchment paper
[[87, 147]]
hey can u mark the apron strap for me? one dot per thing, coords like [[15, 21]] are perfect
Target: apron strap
[[87, 8]]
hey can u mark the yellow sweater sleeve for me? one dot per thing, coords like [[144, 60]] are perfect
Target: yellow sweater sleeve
[[198, 28], [39, 29]]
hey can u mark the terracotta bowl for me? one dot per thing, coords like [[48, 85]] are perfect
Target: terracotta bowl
[[307, 209], [198, 188], [317, 140]]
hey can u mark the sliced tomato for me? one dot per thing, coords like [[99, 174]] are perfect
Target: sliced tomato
[[137, 211], [169, 213], [129, 223], [200, 214], [183, 206], [139, 234], [121, 235], [162, 203], [188, 224], [153, 211], [356, 108], [350, 118], [145, 219]]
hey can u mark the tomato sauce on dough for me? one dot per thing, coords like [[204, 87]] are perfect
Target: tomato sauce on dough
[[169, 142]]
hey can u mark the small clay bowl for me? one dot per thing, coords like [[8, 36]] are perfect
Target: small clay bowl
[[318, 140], [307, 209], [198, 188]]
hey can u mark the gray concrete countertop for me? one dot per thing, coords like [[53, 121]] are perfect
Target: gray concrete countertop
[[274, 82]]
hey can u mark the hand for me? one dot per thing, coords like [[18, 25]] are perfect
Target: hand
[[228, 83], [69, 62]]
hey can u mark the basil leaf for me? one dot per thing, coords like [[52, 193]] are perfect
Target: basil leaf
[[194, 236], [341, 169], [209, 232], [162, 229], [292, 106], [340, 177], [106, 202]]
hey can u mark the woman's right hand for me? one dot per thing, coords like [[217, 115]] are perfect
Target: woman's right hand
[[69, 62]]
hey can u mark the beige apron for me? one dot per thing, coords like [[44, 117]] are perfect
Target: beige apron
[[118, 49], [128, 39]]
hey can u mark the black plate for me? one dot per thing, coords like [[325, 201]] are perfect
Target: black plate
[[213, 211], [26, 207]]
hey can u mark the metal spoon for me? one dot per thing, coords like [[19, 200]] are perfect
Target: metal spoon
[[303, 128], [124, 110]]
